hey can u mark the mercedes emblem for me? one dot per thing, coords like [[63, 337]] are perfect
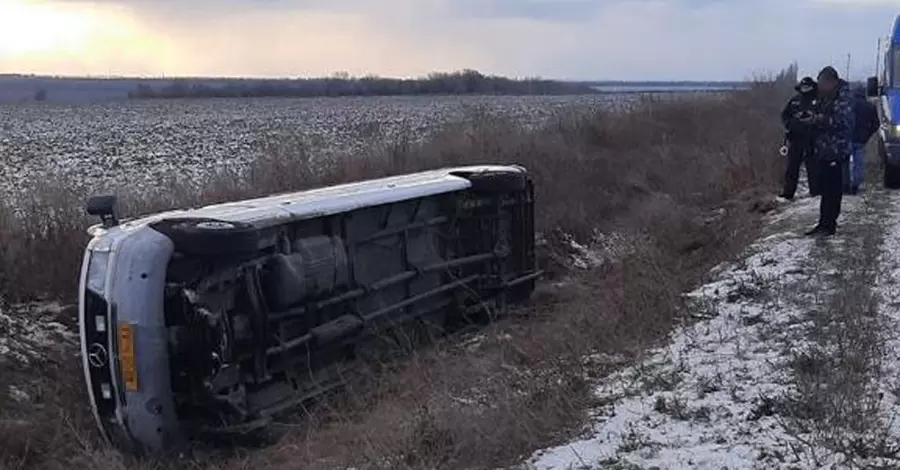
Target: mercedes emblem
[[97, 355]]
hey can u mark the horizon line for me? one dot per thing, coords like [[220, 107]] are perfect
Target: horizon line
[[336, 76]]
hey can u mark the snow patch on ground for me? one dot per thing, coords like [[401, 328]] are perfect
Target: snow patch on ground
[[146, 146], [888, 289], [689, 405], [18, 395], [709, 398], [28, 332], [604, 248]]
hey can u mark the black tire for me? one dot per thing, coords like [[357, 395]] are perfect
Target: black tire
[[892, 176], [498, 181], [209, 236], [891, 172]]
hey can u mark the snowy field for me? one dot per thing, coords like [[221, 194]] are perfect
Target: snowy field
[[791, 360], [149, 143]]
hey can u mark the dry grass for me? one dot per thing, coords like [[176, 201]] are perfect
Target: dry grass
[[837, 371], [654, 172]]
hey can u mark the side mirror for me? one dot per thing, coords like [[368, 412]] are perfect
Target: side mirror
[[872, 89], [103, 206]]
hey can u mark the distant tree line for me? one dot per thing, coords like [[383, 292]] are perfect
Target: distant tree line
[[456, 83]]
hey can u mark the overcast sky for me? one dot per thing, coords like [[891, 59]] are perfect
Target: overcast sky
[[571, 39]]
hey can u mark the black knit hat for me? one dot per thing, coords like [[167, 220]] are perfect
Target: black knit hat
[[829, 72], [806, 85]]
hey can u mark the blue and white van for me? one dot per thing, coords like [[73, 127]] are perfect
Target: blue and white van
[[884, 88]]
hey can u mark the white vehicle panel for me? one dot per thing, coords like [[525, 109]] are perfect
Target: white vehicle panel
[[329, 200], [85, 366]]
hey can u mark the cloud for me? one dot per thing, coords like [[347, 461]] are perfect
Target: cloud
[[856, 4], [596, 39], [540, 10]]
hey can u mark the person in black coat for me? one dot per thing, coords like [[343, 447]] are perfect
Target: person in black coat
[[800, 137], [834, 123]]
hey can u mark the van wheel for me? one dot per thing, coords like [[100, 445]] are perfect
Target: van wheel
[[892, 176], [209, 236], [497, 181]]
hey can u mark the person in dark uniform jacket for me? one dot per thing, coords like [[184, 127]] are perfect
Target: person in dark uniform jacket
[[800, 136], [835, 123]]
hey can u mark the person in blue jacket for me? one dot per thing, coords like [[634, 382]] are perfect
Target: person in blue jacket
[[835, 122], [867, 123]]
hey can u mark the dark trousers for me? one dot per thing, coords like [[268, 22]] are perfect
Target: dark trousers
[[831, 175], [801, 152]]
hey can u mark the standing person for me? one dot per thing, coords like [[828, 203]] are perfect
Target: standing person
[[835, 123], [800, 138], [866, 125]]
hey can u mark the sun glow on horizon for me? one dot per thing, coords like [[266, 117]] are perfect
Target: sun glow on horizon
[[36, 28], [80, 38], [92, 38]]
